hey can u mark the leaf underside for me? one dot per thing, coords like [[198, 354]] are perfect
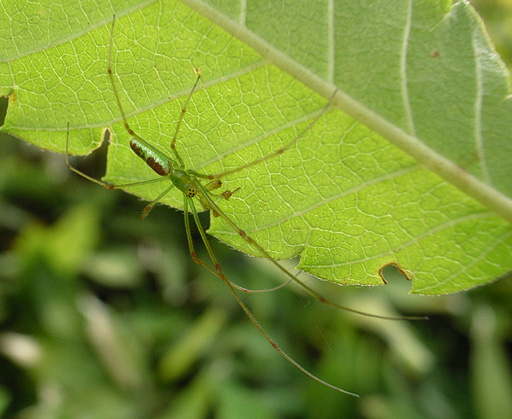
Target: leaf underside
[[345, 198]]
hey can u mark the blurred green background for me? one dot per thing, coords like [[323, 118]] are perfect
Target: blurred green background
[[103, 315]]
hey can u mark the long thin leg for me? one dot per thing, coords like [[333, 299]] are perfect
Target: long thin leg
[[123, 115], [99, 182], [214, 272], [183, 110], [151, 205], [118, 100], [253, 291], [273, 154], [266, 255], [189, 238], [249, 314]]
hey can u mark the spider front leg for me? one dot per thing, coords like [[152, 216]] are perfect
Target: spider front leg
[[274, 153], [216, 210], [217, 271], [193, 253]]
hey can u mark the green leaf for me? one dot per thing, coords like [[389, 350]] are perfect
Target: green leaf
[[410, 165]]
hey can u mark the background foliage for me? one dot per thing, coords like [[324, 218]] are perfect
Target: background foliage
[[119, 324]]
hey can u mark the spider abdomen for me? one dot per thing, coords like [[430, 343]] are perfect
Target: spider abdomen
[[153, 158]]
